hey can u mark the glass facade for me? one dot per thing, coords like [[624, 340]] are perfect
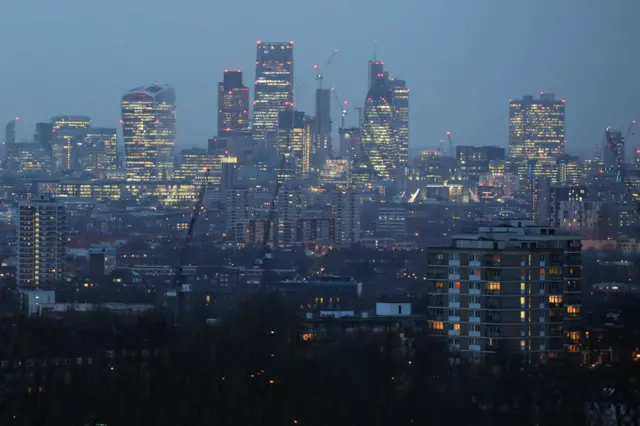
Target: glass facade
[[273, 88], [379, 138], [401, 104], [233, 105], [537, 133], [149, 130]]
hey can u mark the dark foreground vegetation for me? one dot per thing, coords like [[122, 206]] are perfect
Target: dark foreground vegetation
[[253, 369]]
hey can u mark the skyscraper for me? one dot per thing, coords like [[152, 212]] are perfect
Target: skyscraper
[[613, 155], [42, 241], [379, 138], [537, 132], [100, 148], [376, 69], [401, 104], [350, 142], [44, 135], [273, 88], [68, 133], [9, 138], [149, 131], [322, 147], [233, 105]]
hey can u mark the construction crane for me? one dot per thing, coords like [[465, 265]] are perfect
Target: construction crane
[[320, 72], [343, 107], [180, 289], [440, 146], [451, 153]]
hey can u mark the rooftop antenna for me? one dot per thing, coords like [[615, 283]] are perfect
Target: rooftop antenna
[[375, 50]]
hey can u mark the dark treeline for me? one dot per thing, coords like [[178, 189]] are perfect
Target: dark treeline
[[253, 369]]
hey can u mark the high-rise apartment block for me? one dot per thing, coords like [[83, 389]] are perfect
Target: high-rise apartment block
[[537, 133], [613, 155], [273, 88], [233, 105], [149, 132], [42, 241], [513, 288], [345, 209]]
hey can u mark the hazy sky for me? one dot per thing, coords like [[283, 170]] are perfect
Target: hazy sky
[[462, 59]]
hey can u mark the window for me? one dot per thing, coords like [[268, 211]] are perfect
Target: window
[[574, 348], [439, 284], [555, 299], [454, 270], [555, 271], [454, 284], [437, 325], [541, 272], [522, 315], [454, 256], [454, 312], [522, 301], [474, 299], [474, 258], [456, 327], [523, 287], [573, 336], [473, 314], [493, 285], [523, 344], [454, 298], [474, 327], [573, 310], [474, 271]]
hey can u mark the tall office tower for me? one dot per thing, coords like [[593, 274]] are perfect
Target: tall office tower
[[401, 105], [376, 69], [508, 289], [613, 155], [149, 132], [308, 145], [540, 193], [42, 241], [336, 171], [68, 133], [70, 122], [350, 142], [233, 105], [323, 148], [194, 162], [273, 88], [475, 160], [569, 170], [44, 136], [100, 149], [636, 159], [345, 208], [379, 137], [9, 138], [537, 133], [290, 205]]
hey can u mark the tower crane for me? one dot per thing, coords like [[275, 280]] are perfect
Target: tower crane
[[343, 107], [320, 72], [180, 289], [451, 153]]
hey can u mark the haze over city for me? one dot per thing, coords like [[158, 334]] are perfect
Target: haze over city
[[462, 60]]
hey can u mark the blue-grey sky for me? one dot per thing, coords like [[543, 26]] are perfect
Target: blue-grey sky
[[463, 59]]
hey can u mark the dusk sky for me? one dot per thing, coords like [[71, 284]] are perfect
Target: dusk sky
[[462, 59]]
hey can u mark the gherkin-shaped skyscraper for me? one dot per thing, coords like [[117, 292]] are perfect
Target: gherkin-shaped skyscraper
[[379, 136]]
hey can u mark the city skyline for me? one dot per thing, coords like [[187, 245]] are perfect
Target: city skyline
[[478, 63]]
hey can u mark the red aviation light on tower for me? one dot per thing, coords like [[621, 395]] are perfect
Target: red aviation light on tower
[[564, 101], [633, 121], [316, 66], [291, 42], [448, 133], [18, 118], [258, 42]]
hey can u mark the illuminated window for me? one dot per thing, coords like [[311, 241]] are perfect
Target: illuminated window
[[554, 271], [522, 314], [457, 284], [437, 325], [541, 271], [522, 300], [573, 310], [573, 335], [555, 299], [456, 327], [523, 287], [574, 348], [493, 285], [523, 343], [439, 284]]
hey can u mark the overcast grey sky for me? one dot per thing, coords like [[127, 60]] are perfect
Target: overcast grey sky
[[463, 59]]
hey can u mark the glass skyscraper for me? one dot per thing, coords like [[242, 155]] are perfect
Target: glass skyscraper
[[149, 131], [273, 88], [537, 133], [379, 138], [401, 104], [233, 105]]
